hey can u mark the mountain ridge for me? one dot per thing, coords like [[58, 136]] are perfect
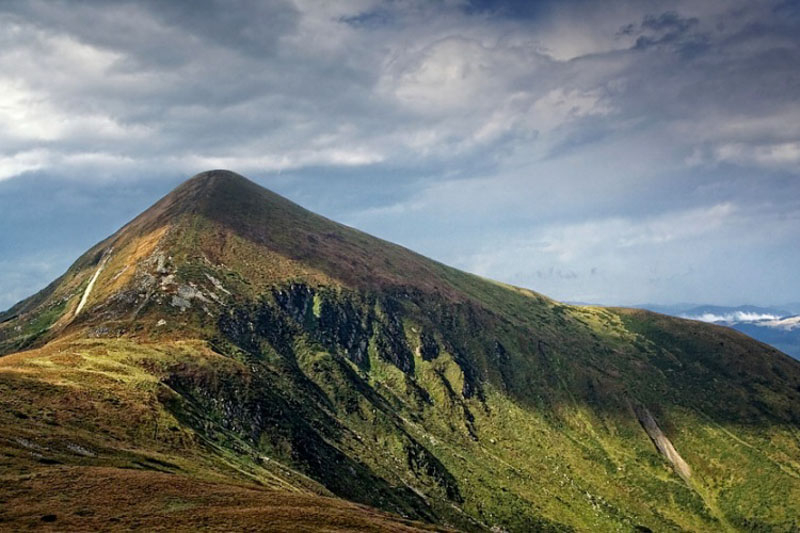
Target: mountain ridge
[[229, 334], [774, 325]]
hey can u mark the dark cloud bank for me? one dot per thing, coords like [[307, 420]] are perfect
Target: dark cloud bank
[[616, 151]]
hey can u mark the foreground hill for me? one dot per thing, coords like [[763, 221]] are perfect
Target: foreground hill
[[230, 337]]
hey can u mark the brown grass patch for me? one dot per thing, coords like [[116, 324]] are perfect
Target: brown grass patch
[[111, 499]]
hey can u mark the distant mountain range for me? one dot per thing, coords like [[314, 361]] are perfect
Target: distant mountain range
[[778, 327]]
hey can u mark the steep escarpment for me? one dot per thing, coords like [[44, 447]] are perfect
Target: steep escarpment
[[228, 334]]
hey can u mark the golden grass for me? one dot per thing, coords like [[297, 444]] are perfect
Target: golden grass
[[122, 264], [114, 499], [85, 445]]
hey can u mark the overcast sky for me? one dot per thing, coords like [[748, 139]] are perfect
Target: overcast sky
[[619, 152]]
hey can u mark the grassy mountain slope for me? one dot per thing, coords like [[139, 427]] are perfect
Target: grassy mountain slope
[[233, 337]]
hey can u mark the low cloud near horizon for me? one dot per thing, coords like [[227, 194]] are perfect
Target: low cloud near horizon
[[617, 152]]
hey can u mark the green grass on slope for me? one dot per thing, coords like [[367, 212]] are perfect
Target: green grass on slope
[[549, 441], [101, 402], [325, 361]]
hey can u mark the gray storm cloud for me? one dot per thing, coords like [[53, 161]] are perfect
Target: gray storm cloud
[[657, 143]]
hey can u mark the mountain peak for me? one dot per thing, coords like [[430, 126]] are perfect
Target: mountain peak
[[221, 195], [217, 210], [217, 175], [215, 181], [207, 187]]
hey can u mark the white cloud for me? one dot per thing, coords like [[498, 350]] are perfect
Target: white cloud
[[288, 161], [25, 115], [571, 243], [785, 155], [737, 316], [21, 162], [28, 115], [560, 106], [455, 74]]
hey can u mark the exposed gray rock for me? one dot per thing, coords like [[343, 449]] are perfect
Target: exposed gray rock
[[80, 450], [189, 292], [182, 303], [663, 443], [217, 284]]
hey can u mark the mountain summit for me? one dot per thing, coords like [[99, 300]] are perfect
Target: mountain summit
[[232, 343]]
